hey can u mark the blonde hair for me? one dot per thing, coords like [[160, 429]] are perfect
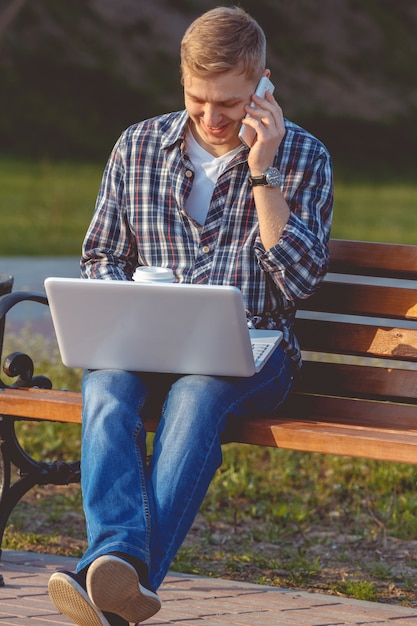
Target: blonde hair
[[222, 39]]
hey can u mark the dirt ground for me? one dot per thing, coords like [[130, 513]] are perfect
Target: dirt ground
[[322, 561], [317, 560]]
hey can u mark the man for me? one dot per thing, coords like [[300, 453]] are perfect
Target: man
[[182, 191]]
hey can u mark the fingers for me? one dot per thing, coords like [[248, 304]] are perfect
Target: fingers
[[266, 109], [266, 118]]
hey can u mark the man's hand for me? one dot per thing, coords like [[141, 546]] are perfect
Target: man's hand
[[267, 119]]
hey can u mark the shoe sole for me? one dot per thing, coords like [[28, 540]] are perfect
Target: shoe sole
[[113, 585], [71, 600]]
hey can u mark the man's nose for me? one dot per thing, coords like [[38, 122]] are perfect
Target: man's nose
[[211, 115]]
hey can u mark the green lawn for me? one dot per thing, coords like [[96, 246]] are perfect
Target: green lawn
[[376, 211], [46, 207]]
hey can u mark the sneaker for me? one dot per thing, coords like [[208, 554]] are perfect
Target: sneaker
[[68, 593], [113, 585]]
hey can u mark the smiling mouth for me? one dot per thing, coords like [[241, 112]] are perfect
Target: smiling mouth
[[216, 129]]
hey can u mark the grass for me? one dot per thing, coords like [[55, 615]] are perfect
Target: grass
[[376, 211], [361, 590], [270, 516], [46, 206]]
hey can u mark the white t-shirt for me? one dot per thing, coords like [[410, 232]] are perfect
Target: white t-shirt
[[207, 169]]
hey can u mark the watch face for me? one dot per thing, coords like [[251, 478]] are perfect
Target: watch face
[[273, 177]]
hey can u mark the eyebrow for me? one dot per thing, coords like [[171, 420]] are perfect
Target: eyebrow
[[232, 100]]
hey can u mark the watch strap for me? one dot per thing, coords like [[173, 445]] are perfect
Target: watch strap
[[270, 178], [258, 180]]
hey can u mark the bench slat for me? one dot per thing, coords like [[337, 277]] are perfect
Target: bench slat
[[373, 414], [364, 381], [359, 339], [363, 299], [327, 438], [42, 404], [66, 406], [339, 426], [373, 258], [362, 428]]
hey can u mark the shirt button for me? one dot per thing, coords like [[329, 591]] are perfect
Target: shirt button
[[206, 249], [189, 173]]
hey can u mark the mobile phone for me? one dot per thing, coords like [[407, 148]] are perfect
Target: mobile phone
[[247, 134]]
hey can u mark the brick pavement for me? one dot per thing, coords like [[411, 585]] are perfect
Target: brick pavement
[[192, 601]]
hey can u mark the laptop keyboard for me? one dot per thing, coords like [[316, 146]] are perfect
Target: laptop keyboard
[[259, 349]]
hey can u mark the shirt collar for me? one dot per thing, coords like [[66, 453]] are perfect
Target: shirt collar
[[175, 129]]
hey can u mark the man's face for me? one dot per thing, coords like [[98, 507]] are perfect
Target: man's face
[[215, 105]]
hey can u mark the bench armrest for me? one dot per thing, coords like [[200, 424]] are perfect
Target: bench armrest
[[9, 300], [19, 364]]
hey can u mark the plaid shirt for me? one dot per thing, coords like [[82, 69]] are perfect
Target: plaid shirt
[[140, 219]]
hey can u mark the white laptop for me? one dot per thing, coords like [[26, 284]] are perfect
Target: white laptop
[[172, 327]]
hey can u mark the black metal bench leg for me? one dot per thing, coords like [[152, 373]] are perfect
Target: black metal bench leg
[[30, 472], [10, 493]]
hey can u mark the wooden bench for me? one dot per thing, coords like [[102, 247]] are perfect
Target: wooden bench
[[357, 395]]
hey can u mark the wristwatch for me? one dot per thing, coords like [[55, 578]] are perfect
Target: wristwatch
[[270, 178]]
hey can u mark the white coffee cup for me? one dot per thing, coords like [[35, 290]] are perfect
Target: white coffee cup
[[152, 274]]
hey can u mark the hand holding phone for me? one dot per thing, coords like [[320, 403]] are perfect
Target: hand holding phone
[[247, 134]]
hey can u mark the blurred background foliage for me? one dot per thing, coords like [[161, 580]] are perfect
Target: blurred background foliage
[[74, 74]]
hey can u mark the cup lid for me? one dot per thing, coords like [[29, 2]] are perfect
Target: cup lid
[[152, 273]]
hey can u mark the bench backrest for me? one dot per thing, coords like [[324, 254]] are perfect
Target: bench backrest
[[364, 313]]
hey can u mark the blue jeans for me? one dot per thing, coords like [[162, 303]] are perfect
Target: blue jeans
[[145, 507]]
